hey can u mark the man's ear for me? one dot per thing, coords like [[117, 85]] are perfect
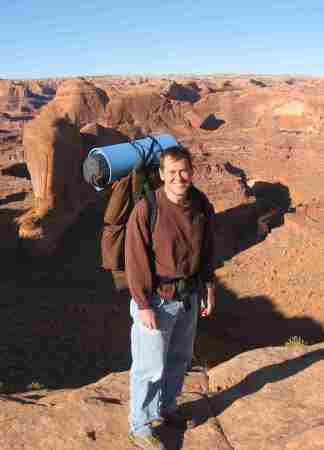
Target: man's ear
[[161, 174]]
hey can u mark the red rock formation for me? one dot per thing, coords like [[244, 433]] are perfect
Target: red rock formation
[[54, 152]]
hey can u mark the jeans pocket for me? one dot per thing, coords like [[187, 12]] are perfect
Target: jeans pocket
[[147, 330]]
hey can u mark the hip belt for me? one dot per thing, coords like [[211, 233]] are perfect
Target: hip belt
[[184, 287]]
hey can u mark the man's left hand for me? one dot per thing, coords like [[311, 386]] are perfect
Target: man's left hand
[[208, 303]]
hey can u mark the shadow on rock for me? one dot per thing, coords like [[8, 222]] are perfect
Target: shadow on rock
[[19, 170], [243, 226], [249, 322], [9, 234], [246, 323], [183, 93], [212, 123], [22, 401], [62, 323], [16, 197], [254, 382]]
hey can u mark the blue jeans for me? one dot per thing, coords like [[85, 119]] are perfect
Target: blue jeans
[[160, 359]]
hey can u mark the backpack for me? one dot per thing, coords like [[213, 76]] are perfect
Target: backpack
[[138, 184]]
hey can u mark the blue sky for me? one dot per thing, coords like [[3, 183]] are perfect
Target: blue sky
[[40, 39]]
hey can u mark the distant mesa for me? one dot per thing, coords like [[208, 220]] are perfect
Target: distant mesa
[[258, 83], [227, 84], [49, 91], [25, 96]]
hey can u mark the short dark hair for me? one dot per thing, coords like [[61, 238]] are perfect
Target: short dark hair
[[177, 153]]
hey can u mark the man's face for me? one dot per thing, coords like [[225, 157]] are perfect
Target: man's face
[[177, 177]]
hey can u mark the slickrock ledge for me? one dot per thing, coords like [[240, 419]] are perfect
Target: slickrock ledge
[[272, 398], [265, 399], [95, 417]]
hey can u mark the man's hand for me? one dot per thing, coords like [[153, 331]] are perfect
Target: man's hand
[[208, 303], [148, 319]]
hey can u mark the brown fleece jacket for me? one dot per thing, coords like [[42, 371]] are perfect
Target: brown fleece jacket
[[182, 245]]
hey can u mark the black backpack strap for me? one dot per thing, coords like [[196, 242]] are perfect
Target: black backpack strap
[[199, 197], [150, 199], [152, 208]]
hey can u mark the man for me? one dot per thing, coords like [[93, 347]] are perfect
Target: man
[[163, 272]]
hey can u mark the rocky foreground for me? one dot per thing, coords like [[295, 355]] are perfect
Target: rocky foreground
[[258, 148], [265, 399]]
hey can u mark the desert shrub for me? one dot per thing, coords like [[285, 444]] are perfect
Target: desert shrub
[[295, 341]]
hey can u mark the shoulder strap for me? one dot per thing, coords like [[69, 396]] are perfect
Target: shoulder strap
[[150, 199], [198, 197], [195, 192], [152, 208]]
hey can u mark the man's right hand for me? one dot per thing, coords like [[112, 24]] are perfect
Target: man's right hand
[[148, 318]]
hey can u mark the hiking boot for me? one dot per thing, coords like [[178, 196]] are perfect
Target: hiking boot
[[148, 442]]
